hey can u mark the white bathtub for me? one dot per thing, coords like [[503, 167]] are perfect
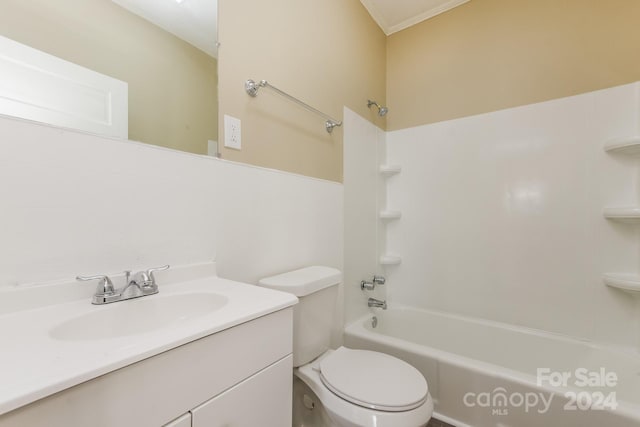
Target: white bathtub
[[483, 373]]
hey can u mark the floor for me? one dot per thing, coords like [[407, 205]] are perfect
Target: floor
[[437, 423]]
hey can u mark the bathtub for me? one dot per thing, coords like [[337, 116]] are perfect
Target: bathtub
[[484, 373]]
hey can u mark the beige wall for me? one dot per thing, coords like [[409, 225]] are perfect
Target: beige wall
[[172, 85], [327, 53], [492, 54], [483, 56]]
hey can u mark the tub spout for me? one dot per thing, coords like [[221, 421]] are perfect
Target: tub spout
[[372, 302]]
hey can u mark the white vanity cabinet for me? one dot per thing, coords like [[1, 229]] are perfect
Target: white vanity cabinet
[[240, 376], [257, 401]]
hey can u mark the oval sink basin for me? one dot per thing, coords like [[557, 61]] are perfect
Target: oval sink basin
[[137, 316]]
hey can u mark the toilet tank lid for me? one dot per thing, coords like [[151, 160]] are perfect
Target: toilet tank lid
[[304, 281]]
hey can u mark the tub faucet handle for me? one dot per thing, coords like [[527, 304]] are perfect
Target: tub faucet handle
[[369, 286], [379, 280]]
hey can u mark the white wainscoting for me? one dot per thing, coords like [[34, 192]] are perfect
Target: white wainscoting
[[74, 204]]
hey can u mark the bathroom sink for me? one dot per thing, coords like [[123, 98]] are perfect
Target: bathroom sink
[[138, 316], [53, 338]]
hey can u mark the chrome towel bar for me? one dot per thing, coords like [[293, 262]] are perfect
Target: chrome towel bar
[[252, 89]]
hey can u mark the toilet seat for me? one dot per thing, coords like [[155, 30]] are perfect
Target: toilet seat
[[344, 413], [373, 380]]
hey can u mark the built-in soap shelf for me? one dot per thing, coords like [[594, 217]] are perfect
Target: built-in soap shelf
[[390, 260], [625, 214], [390, 215], [629, 283], [625, 282], [386, 215], [626, 145], [388, 170]]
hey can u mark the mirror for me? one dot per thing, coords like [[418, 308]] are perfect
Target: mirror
[[165, 50]]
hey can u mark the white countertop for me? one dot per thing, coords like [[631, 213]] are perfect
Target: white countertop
[[34, 365]]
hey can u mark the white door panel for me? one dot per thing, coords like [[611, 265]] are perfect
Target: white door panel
[[37, 86]]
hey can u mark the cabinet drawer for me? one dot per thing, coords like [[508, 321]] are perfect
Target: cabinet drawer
[[261, 400]]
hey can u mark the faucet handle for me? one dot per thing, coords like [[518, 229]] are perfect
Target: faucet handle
[[105, 286], [369, 286], [152, 270], [379, 280]]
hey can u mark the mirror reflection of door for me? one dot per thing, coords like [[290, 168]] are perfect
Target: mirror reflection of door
[[165, 50]]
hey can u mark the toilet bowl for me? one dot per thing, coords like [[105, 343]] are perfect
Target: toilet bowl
[[391, 395], [345, 387]]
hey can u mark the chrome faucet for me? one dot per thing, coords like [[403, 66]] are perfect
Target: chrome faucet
[[142, 284], [369, 286], [372, 302]]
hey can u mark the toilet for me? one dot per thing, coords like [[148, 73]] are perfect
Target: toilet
[[344, 387]]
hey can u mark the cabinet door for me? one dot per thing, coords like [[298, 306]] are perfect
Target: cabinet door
[[263, 399], [183, 421]]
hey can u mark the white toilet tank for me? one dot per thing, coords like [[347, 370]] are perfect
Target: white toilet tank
[[313, 317]]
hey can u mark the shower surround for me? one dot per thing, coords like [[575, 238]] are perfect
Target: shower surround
[[502, 219], [502, 216]]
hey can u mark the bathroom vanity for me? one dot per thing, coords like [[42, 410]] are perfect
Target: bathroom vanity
[[230, 364]]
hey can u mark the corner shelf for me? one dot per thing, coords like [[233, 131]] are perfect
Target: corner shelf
[[388, 170], [390, 260], [390, 215], [625, 214], [629, 283], [626, 145]]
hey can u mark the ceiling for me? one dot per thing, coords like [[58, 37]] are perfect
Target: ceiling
[[395, 15], [194, 21]]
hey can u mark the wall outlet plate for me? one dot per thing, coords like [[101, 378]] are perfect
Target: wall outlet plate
[[232, 133]]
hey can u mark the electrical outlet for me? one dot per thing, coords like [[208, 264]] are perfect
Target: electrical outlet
[[232, 133]]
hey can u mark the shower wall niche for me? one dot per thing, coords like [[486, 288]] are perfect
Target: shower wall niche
[[386, 214]]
